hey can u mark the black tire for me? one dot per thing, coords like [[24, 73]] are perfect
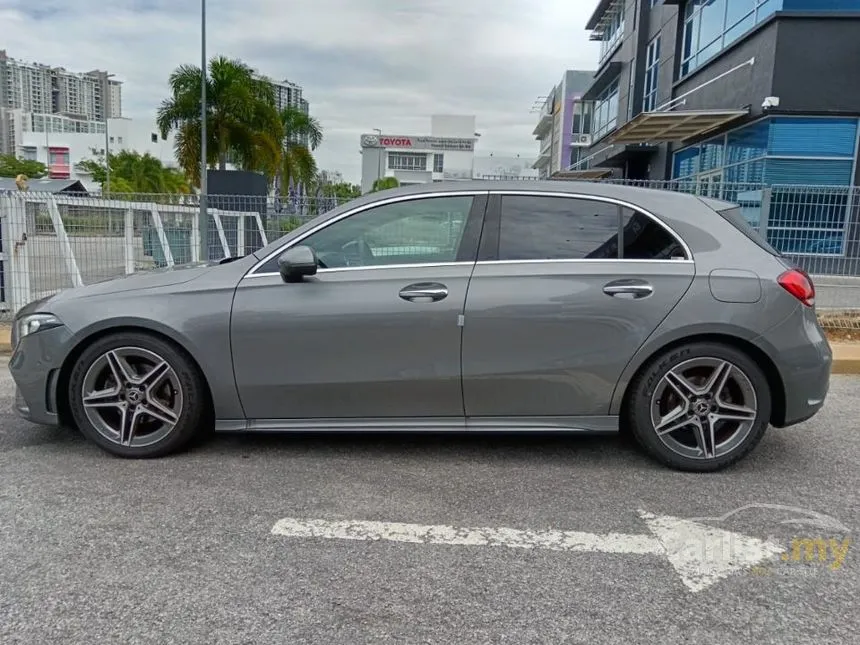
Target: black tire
[[192, 418], [642, 388]]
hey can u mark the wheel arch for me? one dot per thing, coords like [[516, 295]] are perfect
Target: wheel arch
[[775, 382], [94, 333]]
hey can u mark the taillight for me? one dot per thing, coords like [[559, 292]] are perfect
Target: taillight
[[798, 284]]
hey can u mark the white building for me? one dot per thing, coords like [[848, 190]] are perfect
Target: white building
[[447, 153], [39, 88], [61, 142]]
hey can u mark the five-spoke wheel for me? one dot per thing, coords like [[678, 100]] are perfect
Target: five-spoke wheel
[[700, 407], [136, 395], [132, 396]]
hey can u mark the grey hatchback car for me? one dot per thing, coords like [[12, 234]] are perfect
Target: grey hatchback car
[[475, 307]]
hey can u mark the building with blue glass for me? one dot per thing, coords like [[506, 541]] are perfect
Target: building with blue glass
[[738, 99]]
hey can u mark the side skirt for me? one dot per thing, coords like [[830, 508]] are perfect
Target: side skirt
[[591, 425]]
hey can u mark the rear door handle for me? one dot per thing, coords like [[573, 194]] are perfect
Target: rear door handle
[[424, 292], [632, 289]]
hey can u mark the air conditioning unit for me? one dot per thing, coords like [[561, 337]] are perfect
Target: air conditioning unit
[[582, 140]]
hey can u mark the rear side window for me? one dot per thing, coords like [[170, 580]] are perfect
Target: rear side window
[[569, 228], [734, 217], [645, 239], [557, 228]]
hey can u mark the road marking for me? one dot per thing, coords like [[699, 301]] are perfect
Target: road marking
[[701, 555]]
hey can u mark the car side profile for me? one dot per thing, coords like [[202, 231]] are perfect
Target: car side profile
[[476, 307]]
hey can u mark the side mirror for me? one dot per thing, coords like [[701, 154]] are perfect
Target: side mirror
[[296, 263]]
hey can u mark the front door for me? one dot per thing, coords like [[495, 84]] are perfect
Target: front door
[[567, 293], [375, 333]]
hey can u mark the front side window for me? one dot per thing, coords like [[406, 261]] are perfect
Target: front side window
[[417, 231], [569, 228]]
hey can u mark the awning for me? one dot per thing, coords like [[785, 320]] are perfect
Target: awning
[[588, 173], [674, 126]]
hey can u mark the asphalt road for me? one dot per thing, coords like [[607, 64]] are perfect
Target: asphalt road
[[99, 550]]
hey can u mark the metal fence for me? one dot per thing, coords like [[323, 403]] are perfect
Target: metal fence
[[51, 242]]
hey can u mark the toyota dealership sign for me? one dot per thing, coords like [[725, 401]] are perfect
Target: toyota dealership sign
[[419, 143]]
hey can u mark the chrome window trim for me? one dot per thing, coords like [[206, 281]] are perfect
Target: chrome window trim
[[252, 273], [608, 200], [379, 267], [584, 261], [382, 202], [375, 267]]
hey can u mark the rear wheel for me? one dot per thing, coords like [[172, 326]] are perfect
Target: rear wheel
[[700, 407], [136, 395]]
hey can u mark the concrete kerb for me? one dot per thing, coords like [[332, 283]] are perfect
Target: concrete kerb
[[846, 356]]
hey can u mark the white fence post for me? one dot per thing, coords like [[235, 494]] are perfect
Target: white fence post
[[162, 237], [226, 247], [195, 238], [129, 240], [263, 237], [15, 251], [65, 246], [240, 236]]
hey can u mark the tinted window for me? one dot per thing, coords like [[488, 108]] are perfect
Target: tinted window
[[409, 232], [557, 228], [645, 239]]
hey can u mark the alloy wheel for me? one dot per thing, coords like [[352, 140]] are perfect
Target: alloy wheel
[[704, 408], [132, 396]]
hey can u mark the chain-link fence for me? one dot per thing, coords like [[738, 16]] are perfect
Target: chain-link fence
[[54, 241]]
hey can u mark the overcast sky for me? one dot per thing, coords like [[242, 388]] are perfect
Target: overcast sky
[[363, 64]]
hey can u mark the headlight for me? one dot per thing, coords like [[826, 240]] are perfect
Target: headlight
[[31, 323]]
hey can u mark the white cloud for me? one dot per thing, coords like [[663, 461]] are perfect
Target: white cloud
[[386, 64]]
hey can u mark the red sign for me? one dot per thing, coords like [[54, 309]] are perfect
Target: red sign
[[396, 142]]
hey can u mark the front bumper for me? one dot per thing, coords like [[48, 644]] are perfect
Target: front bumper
[[35, 367]]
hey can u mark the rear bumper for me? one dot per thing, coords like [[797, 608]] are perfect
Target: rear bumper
[[804, 359], [35, 368]]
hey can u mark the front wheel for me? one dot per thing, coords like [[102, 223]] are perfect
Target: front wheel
[[137, 396], [700, 407]]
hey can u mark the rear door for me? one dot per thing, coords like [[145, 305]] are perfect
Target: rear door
[[566, 289]]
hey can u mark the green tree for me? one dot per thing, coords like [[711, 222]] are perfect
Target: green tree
[[131, 172], [298, 161], [243, 124], [384, 183], [344, 191], [10, 166]]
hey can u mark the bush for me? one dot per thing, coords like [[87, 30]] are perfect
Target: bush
[[290, 224]]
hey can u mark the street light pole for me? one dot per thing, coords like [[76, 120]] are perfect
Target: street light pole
[[379, 156], [106, 190], [204, 211]]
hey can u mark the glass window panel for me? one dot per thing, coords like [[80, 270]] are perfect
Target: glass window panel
[[713, 21], [557, 228]]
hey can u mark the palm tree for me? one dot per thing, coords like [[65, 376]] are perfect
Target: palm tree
[[242, 121], [297, 162]]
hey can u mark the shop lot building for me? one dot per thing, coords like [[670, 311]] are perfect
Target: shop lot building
[[745, 100]]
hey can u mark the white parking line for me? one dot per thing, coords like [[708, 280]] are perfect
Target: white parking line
[[701, 555]]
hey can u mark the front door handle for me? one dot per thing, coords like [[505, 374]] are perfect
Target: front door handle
[[628, 289], [424, 292]]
